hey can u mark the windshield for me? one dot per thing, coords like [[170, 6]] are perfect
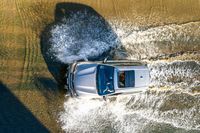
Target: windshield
[[105, 79]]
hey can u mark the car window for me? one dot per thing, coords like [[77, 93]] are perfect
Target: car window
[[126, 79], [105, 79]]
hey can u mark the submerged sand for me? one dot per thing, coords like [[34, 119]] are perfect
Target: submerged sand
[[24, 73]]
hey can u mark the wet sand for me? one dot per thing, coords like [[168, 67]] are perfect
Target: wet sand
[[22, 67]]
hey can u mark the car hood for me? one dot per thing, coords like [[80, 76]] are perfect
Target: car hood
[[85, 78]]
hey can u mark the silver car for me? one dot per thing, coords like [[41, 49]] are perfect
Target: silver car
[[94, 79]]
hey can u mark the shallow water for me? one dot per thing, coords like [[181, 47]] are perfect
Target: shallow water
[[163, 33], [173, 109], [145, 112], [89, 41]]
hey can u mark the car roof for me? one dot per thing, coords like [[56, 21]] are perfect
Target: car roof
[[117, 62]]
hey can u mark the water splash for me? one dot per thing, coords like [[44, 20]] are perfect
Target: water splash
[[178, 73], [160, 111], [82, 35], [147, 42], [150, 111], [85, 35]]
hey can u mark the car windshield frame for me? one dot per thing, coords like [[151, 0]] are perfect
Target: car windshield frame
[[105, 80]]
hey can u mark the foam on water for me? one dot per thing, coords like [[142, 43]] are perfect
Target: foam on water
[[82, 35], [87, 36], [146, 42], [144, 112], [151, 111], [182, 74]]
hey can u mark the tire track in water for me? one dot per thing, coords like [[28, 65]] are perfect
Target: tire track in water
[[24, 77], [34, 19], [32, 48], [32, 35], [29, 40]]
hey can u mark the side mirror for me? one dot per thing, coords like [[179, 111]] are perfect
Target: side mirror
[[85, 59], [104, 61]]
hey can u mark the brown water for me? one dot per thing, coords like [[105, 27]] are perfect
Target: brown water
[[160, 32]]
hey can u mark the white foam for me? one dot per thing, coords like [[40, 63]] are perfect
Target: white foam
[[144, 42], [82, 35], [86, 36], [75, 40], [149, 111], [178, 73], [136, 113]]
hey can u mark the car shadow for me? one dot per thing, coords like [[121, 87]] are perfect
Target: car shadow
[[15, 117], [62, 12]]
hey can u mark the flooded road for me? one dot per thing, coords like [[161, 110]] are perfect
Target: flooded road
[[170, 104], [165, 34]]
